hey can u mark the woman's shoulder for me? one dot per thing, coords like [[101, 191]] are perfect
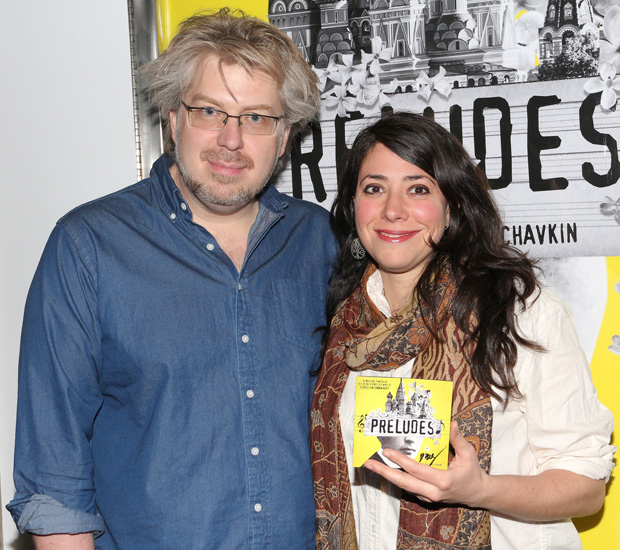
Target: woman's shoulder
[[542, 301], [540, 308]]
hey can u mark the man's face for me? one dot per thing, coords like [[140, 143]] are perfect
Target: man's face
[[406, 444], [225, 169]]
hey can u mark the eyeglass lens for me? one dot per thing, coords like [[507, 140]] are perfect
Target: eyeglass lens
[[212, 119]]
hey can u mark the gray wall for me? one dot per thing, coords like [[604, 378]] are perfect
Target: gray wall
[[67, 137]]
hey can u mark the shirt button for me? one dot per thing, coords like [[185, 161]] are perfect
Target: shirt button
[[183, 206], [258, 507], [245, 338], [255, 451], [210, 246], [250, 394], [173, 216]]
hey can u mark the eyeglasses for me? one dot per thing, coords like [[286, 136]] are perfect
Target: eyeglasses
[[208, 118]]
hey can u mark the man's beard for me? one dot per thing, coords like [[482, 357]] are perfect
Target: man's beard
[[206, 194]]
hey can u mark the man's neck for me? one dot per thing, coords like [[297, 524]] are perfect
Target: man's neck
[[230, 226]]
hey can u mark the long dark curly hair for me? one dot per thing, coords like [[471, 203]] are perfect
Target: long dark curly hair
[[492, 276]]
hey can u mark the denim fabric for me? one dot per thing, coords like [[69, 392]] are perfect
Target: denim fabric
[[163, 396]]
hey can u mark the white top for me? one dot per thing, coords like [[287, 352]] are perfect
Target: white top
[[558, 424]]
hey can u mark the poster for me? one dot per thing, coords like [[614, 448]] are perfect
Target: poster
[[410, 415], [529, 86]]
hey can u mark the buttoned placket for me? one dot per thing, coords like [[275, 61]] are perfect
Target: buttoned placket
[[258, 492], [251, 410]]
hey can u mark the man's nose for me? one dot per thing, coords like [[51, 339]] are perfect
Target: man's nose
[[230, 135]]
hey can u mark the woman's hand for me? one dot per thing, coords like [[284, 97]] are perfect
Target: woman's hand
[[462, 483], [548, 496]]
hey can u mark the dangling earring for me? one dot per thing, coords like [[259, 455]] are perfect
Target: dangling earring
[[357, 249]]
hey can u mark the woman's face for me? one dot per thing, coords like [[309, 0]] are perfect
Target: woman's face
[[399, 209]]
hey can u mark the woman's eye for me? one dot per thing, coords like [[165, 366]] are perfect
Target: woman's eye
[[419, 190], [208, 112], [372, 189]]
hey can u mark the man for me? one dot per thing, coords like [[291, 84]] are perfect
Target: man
[[169, 336]]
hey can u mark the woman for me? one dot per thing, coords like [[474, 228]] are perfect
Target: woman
[[425, 287]]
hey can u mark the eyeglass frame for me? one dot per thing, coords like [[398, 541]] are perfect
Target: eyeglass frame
[[189, 109]]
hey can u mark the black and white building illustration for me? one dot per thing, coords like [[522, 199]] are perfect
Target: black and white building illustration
[[477, 42], [417, 406]]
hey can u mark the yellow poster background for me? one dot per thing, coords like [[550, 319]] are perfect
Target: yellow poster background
[[171, 13], [601, 531]]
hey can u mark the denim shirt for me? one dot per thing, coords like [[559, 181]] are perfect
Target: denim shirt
[[164, 396]]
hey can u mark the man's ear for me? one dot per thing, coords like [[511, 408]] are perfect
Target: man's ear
[[287, 132], [172, 116]]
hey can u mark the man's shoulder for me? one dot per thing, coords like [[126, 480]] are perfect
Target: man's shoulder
[[298, 207], [130, 202], [305, 223], [118, 203], [312, 220]]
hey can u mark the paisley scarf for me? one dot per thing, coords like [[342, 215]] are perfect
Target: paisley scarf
[[361, 338]]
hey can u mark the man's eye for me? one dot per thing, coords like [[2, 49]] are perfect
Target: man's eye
[[208, 112], [253, 118]]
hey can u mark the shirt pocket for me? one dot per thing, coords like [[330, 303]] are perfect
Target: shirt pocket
[[300, 310]]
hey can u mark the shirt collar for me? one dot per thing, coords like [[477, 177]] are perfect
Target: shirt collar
[[374, 289]]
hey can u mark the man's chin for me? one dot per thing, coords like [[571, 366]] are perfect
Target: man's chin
[[227, 194], [226, 179], [236, 201]]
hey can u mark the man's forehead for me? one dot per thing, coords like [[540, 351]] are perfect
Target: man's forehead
[[212, 67], [211, 62]]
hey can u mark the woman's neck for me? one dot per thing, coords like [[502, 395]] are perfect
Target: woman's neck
[[398, 289]]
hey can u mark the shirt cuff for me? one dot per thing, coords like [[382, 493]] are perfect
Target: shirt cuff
[[594, 467], [43, 515]]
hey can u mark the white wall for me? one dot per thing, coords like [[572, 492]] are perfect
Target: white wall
[[67, 137]]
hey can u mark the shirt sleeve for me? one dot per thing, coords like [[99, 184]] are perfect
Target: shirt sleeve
[[567, 426], [58, 395]]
